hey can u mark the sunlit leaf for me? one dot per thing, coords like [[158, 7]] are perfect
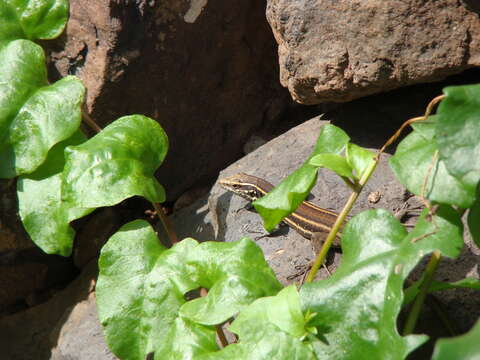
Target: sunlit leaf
[[358, 158], [44, 215], [116, 164], [458, 133], [357, 307], [417, 165], [286, 197], [32, 19], [334, 162], [34, 116], [142, 285], [270, 328]]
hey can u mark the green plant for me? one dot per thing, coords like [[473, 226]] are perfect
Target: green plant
[[175, 301]]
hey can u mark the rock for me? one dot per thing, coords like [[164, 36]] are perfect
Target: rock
[[341, 50], [80, 334], [94, 234], [12, 235], [31, 334], [205, 70], [288, 253], [225, 217]]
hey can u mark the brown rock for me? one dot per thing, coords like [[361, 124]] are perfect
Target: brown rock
[[18, 282], [12, 235], [206, 70], [80, 334], [341, 50], [93, 235]]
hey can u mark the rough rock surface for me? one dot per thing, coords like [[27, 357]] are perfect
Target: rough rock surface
[[206, 70], [66, 327], [224, 217], [67, 322], [341, 50], [288, 252]]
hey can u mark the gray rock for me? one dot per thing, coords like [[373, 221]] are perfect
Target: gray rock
[[289, 253], [80, 334], [341, 50], [225, 217], [64, 328]]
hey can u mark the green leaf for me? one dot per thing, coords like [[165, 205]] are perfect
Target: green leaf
[[358, 158], [357, 307], [464, 347], [458, 133], [269, 328], [411, 292], [32, 19], [186, 340], [473, 220], [34, 116], [334, 162], [44, 215], [141, 288], [286, 197], [283, 310], [116, 164], [426, 128], [269, 343], [417, 167], [235, 268]]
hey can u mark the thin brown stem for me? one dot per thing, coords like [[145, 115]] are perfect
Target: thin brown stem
[[167, 224], [158, 209], [428, 111], [89, 121], [221, 335]]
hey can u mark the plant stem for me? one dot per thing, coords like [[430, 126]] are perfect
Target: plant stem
[[218, 328], [167, 224], [338, 223], [89, 121], [221, 335], [422, 293]]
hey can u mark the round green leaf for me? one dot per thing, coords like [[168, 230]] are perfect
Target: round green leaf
[[32, 19], [357, 307], [34, 116], [142, 285], [269, 343], [236, 268], [415, 160], [186, 340], [283, 310], [44, 215], [117, 163], [458, 133]]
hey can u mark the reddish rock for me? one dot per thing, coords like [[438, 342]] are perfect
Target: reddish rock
[[206, 70]]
